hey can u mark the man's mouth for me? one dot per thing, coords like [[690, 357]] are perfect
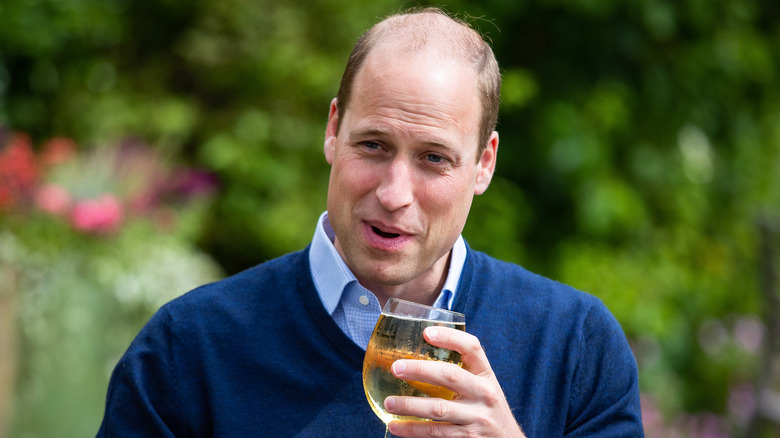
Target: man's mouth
[[384, 234]]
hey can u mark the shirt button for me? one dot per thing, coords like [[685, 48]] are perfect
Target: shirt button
[[363, 300]]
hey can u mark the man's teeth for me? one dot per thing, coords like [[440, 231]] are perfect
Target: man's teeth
[[383, 234]]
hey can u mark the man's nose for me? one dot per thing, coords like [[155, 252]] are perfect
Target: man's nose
[[396, 188]]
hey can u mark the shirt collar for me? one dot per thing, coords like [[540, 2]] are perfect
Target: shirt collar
[[329, 272], [457, 261], [331, 275]]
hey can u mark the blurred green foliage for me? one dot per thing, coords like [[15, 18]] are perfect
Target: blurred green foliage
[[92, 242], [82, 302], [640, 143]]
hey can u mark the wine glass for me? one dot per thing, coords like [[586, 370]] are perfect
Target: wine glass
[[398, 334]]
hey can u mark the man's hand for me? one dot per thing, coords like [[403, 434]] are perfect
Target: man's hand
[[480, 408]]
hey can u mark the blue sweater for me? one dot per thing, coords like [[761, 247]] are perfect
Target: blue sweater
[[256, 354]]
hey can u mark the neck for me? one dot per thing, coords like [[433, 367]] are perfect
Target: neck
[[423, 289]]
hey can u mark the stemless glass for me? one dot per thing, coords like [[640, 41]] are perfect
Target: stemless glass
[[398, 334]]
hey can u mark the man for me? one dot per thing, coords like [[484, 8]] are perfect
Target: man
[[277, 350]]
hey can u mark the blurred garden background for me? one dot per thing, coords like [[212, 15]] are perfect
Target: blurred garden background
[[148, 146]]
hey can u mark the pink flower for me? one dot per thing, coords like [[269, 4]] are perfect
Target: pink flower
[[53, 199], [101, 215]]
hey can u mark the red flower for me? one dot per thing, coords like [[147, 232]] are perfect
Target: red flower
[[57, 150], [18, 171]]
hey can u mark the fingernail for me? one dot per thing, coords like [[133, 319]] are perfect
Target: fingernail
[[399, 367], [432, 333], [389, 403], [393, 427]]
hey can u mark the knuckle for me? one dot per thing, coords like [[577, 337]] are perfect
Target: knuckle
[[434, 429], [493, 398], [439, 409], [420, 367], [483, 422], [475, 347], [480, 427], [451, 374], [472, 349], [410, 403]]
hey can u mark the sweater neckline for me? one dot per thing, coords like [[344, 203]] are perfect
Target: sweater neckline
[[331, 330]]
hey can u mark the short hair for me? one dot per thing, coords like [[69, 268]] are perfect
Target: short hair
[[418, 28]]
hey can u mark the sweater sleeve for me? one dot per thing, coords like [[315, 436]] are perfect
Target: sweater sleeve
[[605, 397], [141, 397]]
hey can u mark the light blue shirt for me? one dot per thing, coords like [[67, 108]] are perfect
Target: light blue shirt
[[355, 308]]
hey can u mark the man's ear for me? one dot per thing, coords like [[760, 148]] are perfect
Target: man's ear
[[486, 165], [330, 131]]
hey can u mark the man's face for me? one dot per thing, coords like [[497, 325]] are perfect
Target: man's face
[[405, 170]]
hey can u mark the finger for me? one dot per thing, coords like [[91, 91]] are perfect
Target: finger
[[469, 347], [444, 374], [436, 409], [425, 429]]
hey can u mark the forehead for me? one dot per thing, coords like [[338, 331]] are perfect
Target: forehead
[[419, 88]]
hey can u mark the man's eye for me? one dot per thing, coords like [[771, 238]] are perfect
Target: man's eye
[[432, 158], [371, 145]]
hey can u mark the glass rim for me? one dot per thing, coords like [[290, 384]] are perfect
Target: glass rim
[[425, 311]]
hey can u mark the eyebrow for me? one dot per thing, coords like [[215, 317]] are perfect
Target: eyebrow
[[368, 132]]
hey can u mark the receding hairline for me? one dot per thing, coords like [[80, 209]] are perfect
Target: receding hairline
[[431, 30], [436, 33]]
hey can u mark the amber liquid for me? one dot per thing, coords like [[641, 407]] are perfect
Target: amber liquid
[[396, 338]]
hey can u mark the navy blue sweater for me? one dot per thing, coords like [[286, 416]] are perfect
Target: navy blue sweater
[[256, 354]]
